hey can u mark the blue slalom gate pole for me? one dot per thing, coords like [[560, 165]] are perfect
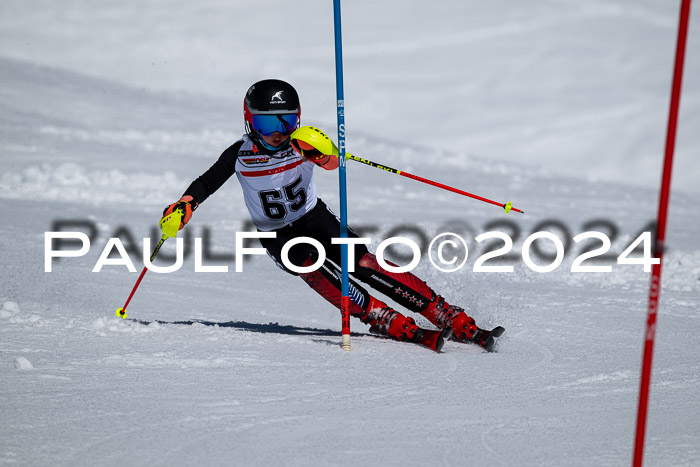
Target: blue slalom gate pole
[[344, 294]]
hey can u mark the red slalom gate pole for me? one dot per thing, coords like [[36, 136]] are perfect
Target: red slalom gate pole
[[655, 284]]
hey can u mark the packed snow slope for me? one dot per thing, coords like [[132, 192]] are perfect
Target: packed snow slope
[[581, 87], [245, 368]]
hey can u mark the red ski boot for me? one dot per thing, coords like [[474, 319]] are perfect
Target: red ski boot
[[442, 314], [388, 322]]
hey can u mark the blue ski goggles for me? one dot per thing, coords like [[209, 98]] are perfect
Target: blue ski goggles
[[268, 124]]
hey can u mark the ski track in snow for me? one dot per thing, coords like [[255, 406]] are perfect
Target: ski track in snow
[[257, 377]]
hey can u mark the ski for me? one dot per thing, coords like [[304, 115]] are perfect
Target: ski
[[485, 339], [491, 338], [434, 340]]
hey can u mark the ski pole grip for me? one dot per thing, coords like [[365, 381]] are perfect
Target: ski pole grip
[[170, 224]]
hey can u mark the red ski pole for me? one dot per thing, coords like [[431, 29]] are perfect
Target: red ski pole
[[320, 144], [170, 225], [507, 206]]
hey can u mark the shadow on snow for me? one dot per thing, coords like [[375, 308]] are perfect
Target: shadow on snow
[[269, 328]]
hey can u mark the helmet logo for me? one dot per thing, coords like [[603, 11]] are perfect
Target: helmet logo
[[278, 96]]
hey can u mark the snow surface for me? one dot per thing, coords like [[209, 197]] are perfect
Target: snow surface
[[109, 110]]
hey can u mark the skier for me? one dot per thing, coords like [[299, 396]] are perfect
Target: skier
[[276, 175]]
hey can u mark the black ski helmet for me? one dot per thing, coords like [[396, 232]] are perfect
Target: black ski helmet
[[270, 97]]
